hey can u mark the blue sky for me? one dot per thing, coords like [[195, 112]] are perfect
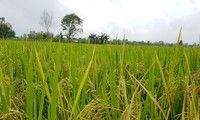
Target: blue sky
[[142, 20]]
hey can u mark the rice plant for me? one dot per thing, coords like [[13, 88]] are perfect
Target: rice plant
[[46, 80]]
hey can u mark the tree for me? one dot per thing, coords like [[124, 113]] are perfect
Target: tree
[[93, 38], [72, 24], [6, 29], [46, 20], [98, 39], [103, 38], [33, 35]]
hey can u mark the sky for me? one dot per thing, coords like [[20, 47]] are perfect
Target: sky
[[139, 20]]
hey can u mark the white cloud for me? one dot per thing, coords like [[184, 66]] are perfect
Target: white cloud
[[137, 17]]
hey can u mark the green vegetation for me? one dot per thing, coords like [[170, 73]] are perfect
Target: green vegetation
[[6, 29], [46, 80], [98, 39], [72, 25]]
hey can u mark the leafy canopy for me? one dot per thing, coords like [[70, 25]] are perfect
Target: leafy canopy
[[72, 24], [98, 39], [6, 29]]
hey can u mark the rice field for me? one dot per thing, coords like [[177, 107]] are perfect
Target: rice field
[[46, 80]]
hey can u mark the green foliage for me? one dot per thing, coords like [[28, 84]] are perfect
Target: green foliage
[[47, 80], [103, 38], [30, 96], [4, 99], [93, 38], [98, 39], [72, 24], [33, 35], [6, 29]]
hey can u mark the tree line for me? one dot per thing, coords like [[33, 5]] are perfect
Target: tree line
[[72, 25]]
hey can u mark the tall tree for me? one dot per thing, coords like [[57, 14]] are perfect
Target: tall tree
[[46, 20], [6, 29], [72, 24]]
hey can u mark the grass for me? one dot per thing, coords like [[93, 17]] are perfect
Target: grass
[[45, 80]]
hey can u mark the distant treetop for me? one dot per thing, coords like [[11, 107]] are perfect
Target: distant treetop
[[6, 29]]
